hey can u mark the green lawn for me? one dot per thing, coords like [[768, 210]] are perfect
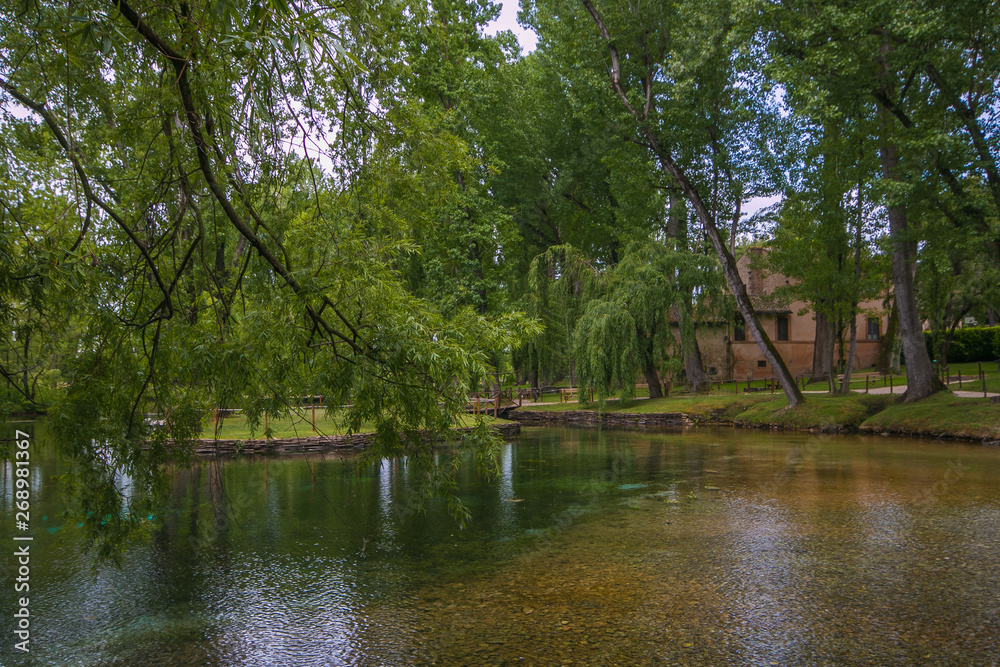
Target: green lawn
[[818, 410], [553, 397], [859, 380], [941, 413], [298, 426], [698, 405], [753, 408], [971, 370]]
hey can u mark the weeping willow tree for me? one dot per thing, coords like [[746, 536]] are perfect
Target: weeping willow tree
[[623, 329], [229, 210]]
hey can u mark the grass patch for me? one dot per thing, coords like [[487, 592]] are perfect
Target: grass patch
[[300, 426], [941, 414], [761, 409], [970, 376], [698, 406], [818, 411], [860, 380], [695, 405]]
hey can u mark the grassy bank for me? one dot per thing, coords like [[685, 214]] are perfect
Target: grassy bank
[[696, 406], [823, 411], [236, 427], [942, 414]]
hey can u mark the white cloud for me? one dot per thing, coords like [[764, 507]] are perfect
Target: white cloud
[[508, 21]]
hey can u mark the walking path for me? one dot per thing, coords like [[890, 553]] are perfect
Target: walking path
[[899, 389]]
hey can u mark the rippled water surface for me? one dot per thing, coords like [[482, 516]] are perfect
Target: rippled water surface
[[592, 548]]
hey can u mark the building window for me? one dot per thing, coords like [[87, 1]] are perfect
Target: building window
[[761, 363], [872, 328], [739, 330], [782, 327]]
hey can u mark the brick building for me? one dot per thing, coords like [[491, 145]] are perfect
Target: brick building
[[729, 351]]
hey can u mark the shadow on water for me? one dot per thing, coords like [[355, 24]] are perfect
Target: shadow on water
[[600, 548]]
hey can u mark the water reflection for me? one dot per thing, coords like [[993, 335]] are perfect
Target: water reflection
[[696, 548]]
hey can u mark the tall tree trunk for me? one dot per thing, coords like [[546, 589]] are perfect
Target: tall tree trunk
[[652, 379], [822, 348], [694, 367], [648, 365], [888, 341], [647, 341], [845, 386], [674, 170], [675, 215], [735, 228], [832, 378], [920, 379], [732, 274]]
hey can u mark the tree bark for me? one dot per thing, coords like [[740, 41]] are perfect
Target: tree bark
[[694, 367], [743, 304], [888, 341], [28, 393], [652, 379], [674, 215], [845, 386], [732, 274], [920, 379], [822, 348], [648, 365]]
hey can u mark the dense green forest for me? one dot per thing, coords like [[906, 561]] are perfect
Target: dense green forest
[[237, 203]]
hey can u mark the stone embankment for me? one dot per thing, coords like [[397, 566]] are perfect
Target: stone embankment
[[319, 443], [980, 425], [603, 419]]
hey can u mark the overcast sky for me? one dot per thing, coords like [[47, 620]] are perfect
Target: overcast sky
[[508, 21]]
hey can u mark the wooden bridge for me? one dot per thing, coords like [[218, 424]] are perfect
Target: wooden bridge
[[496, 403]]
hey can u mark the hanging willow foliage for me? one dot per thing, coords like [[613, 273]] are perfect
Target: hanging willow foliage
[[625, 312]]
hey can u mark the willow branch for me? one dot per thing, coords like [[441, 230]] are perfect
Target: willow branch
[[42, 110]]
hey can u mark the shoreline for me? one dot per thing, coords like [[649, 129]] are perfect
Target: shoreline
[[942, 416], [357, 442]]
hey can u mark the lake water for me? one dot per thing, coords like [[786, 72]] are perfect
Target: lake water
[[702, 547]]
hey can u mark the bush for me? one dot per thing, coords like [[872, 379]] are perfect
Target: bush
[[969, 344]]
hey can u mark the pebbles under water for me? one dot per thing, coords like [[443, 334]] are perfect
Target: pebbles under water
[[593, 548]]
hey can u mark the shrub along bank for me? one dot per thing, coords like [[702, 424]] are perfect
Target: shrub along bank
[[968, 344]]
